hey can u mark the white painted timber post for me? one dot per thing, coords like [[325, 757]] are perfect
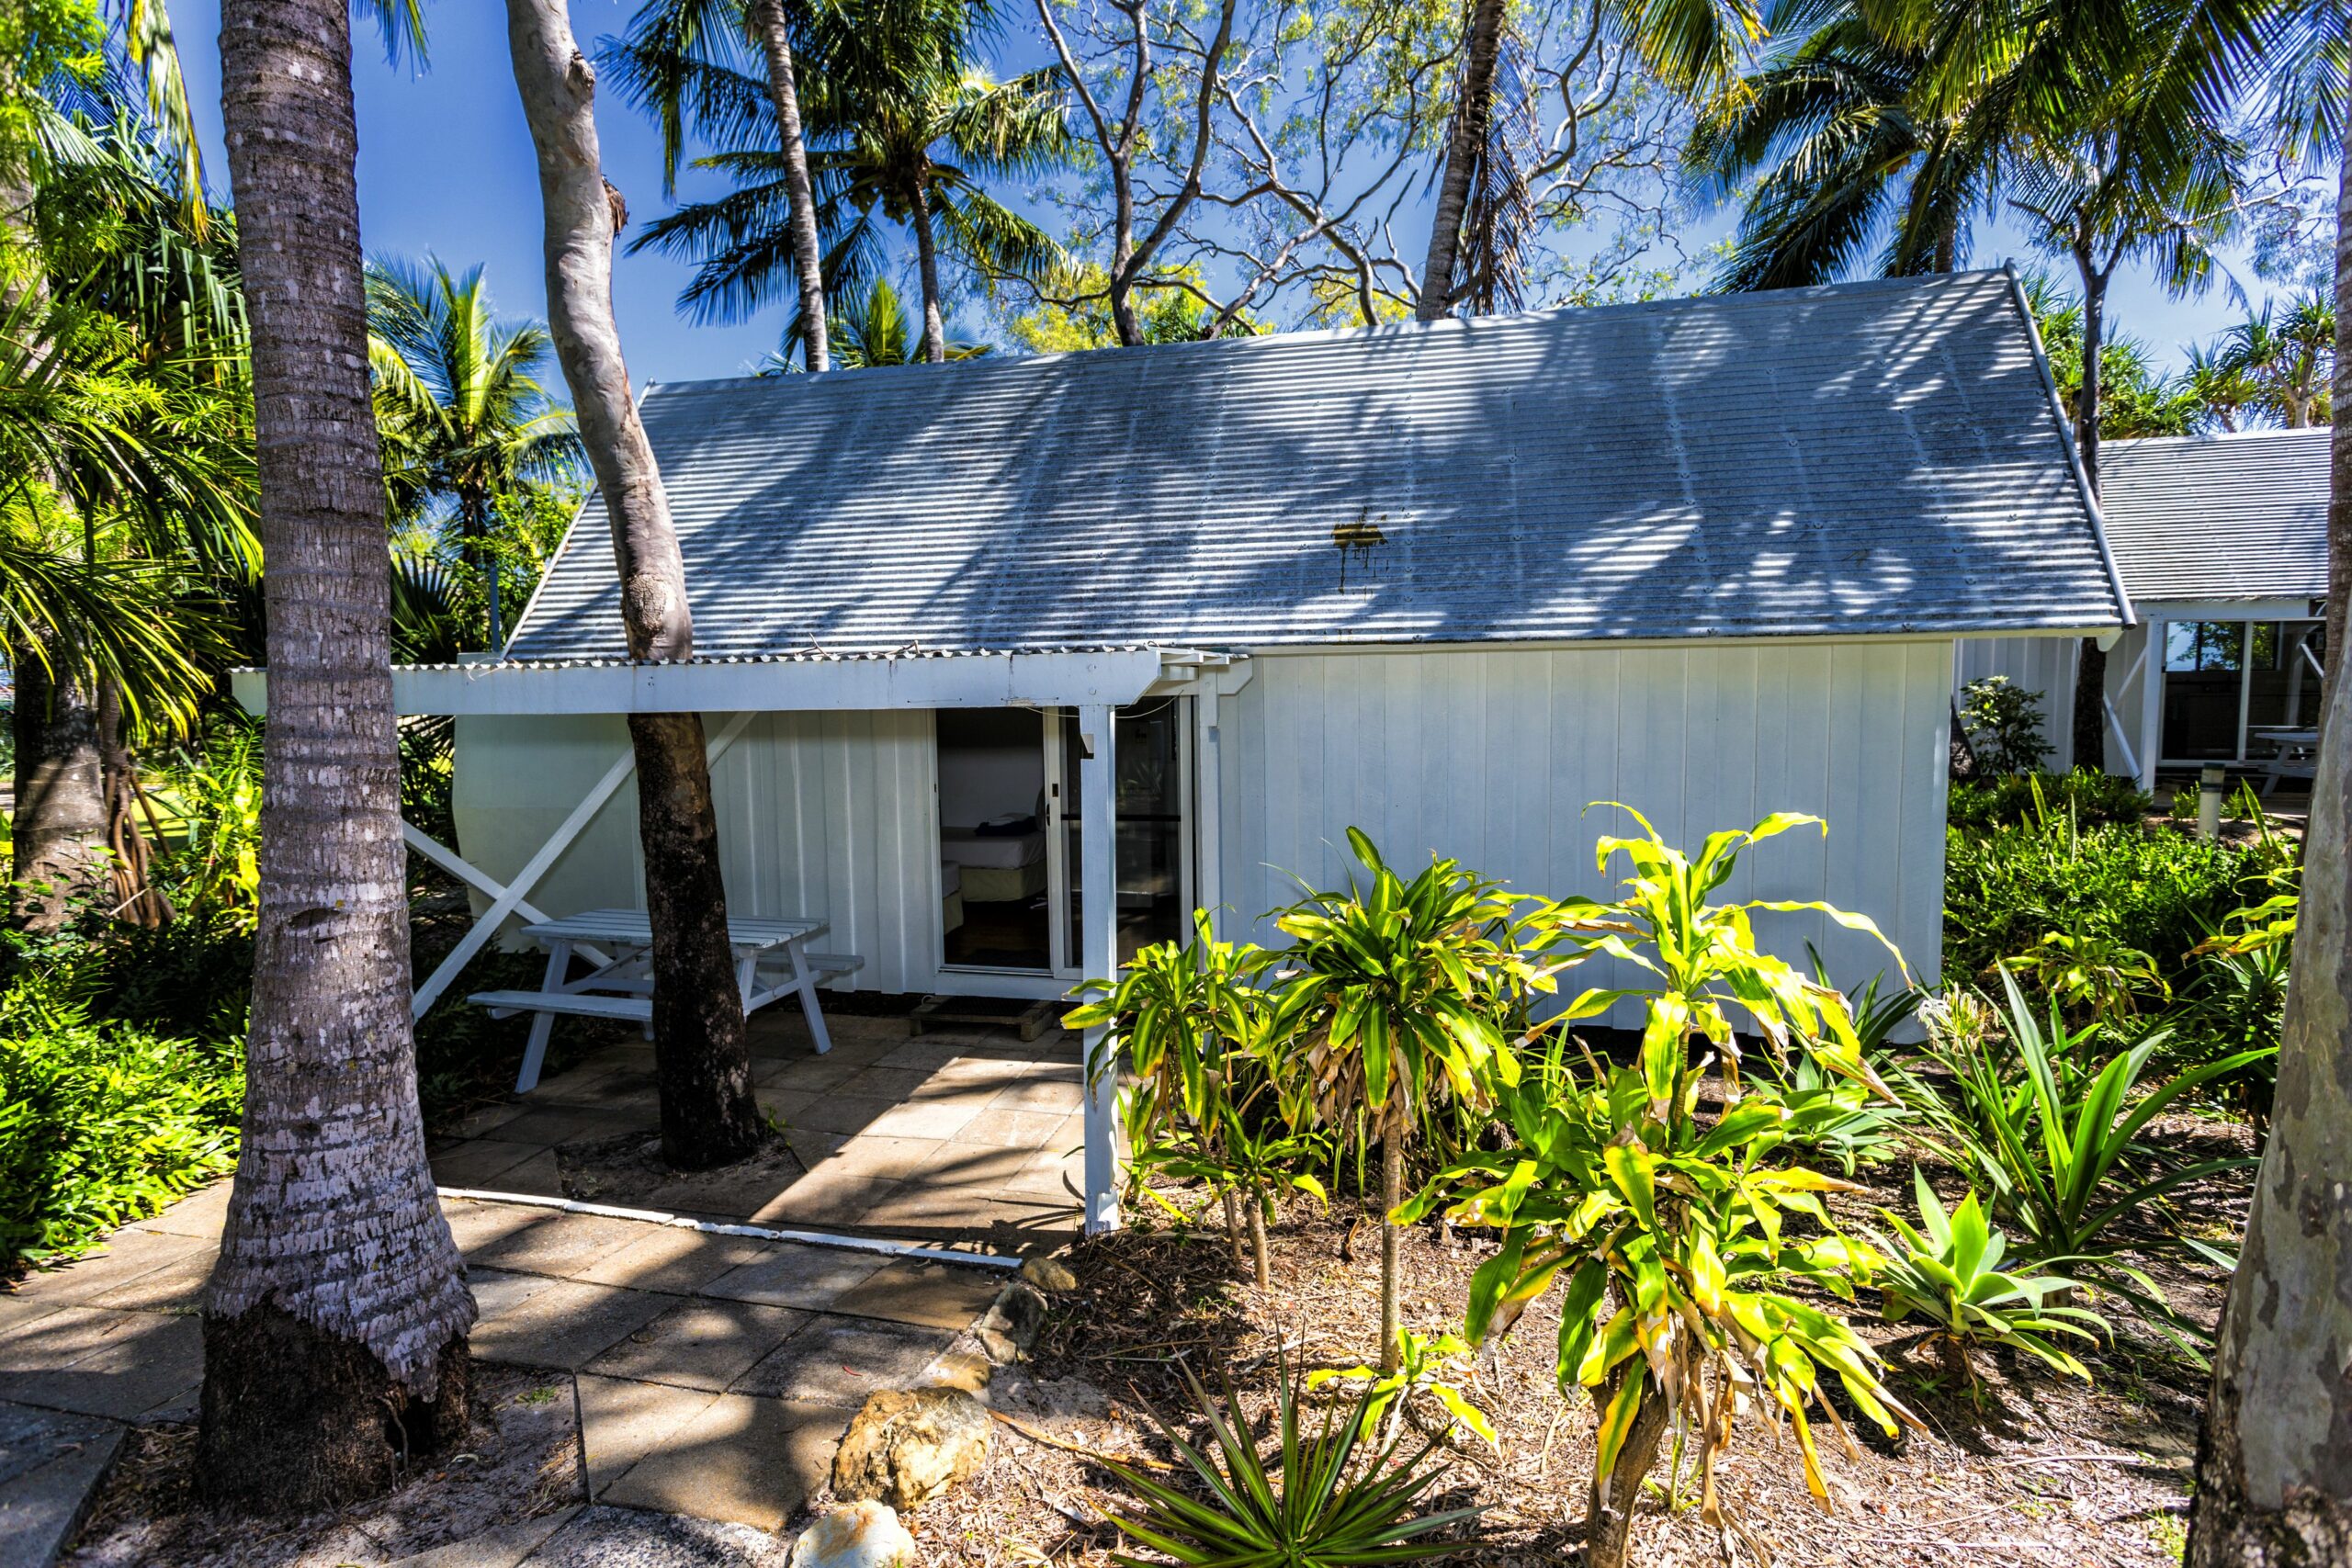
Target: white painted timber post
[[1098, 893]]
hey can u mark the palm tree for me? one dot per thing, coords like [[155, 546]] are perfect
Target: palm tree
[[335, 1321], [676, 51], [872, 330], [2221, 391], [2286, 364], [908, 129], [465, 417]]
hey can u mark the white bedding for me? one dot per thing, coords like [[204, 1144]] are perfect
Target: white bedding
[[992, 852], [951, 879]]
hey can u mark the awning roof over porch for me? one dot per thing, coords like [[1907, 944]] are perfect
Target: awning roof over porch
[[795, 683]]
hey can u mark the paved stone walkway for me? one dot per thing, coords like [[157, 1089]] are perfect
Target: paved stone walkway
[[714, 1374]]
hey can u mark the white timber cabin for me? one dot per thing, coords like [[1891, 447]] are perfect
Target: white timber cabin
[[1006, 665], [2222, 541]]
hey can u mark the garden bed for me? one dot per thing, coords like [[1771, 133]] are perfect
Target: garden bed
[[2043, 1470]]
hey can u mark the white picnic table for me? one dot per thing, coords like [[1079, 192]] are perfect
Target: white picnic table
[[772, 961], [2295, 752]]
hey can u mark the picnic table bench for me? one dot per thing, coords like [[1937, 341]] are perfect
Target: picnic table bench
[[772, 961]]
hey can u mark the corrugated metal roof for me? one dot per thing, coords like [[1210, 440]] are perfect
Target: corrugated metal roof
[[1873, 458], [2219, 516]]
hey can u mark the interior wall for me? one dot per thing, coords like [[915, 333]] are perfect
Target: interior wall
[[1492, 757], [991, 763]]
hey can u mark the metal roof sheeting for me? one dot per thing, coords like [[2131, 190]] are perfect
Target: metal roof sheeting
[[2219, 516], [1862, 458]]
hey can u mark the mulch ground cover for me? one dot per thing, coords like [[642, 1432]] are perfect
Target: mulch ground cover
[[2029, 1468]]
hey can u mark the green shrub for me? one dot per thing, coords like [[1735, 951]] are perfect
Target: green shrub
[[2159, 891], [102, 1123], [2004, 724], [2090, 797]]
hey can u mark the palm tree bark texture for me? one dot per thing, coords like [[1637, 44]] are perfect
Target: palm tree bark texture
[[335, 1322], [2274, 1466], [1465, 144], [701, 1059], [808, 256]]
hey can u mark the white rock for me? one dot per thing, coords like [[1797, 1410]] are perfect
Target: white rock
[[858, 1535]]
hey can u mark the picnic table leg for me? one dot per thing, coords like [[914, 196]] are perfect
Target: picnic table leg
[[805, 983], [543, 1024]]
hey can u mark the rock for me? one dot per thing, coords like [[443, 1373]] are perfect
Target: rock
[[909, 1445], [1011, 1325], [967, 1369], [1048, 1273], [865, 1534]]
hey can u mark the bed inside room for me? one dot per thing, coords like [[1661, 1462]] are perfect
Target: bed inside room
[[992, 839]]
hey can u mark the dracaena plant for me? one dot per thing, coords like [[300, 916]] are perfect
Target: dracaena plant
[[1391, 996], [1680, 1243], [1194, 1022], [1947, 1270], [1426, 1363]]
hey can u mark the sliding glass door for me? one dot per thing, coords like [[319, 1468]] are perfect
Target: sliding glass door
[[1154, 797]]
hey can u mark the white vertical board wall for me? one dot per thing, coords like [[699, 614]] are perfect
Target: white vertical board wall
[[1490, 757], [2046, 665], [826, 814]]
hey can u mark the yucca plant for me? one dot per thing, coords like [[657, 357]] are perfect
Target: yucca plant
[[1390, 997], [2056, 1136], [1332, 1498], [1679, 1240], [1949, 1271]]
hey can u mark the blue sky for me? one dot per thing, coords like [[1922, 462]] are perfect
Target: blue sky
[[446, 167]]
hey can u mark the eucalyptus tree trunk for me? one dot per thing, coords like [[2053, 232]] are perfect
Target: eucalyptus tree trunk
[[2090, 665], [1465, 145], [807, 258], [701, 1059], [2274, 1465], [934, 328], [59, 821], [334, 1326]]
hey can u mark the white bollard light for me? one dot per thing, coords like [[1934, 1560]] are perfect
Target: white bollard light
[[2208, 801]]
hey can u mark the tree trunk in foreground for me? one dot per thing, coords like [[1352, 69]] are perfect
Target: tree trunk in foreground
[[1392, 1193], [808, 257], [2274, 1465], [334, 1326], [2090, 663], [2339, 439], [1609, 1518], [708, 1116], [60, 818], [1465, 145]]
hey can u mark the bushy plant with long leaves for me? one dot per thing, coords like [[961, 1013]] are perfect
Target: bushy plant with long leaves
[[1332, 1497], [1948, 1271], [2053, 1130], [1389, 1001], [1426, 1363], [1682, 1242]]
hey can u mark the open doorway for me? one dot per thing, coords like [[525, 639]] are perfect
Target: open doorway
[[994, 912]]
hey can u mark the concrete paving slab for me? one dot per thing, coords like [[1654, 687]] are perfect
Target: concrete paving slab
[[553, 1242], [565, 1123], [199, 1214], [621, 1422], [673, 1259], [885, 1083], [738, 1460], [475, 1226], [1054, 1095], [963, 1161], [567, 1324], [807, 1074], [480, 1162], [840, 1361], [505, 1547], [97, 1362], [812, 1278], [872, 1157], [178, 1286], [925, 1119], [850, 1114], [51, 1465], [832, 1201], [1011, 1129], [704, 1344], [626, 1537], [128, 1254], [930, 1295]]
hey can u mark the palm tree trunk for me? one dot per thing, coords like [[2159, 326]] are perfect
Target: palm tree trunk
[[60, 818], [2090, 664], [934, 329], [2339, 494], [808, 259], [701, 1059], [334, 1326], [1465, 144], [1392, 1193]]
